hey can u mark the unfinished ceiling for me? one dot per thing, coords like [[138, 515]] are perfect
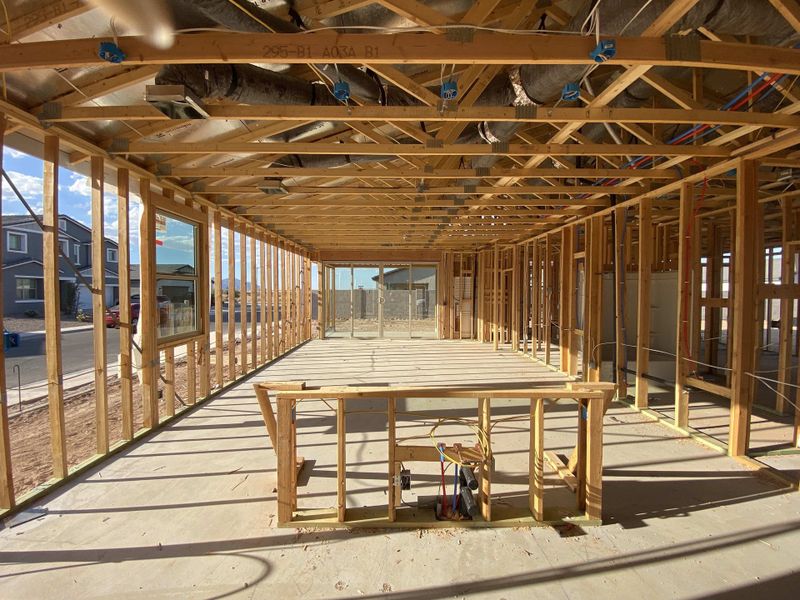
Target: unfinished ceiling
[[538, 133]]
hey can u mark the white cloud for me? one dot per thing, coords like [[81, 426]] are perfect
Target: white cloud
[[80, 185], [14, 153], [30, 186]]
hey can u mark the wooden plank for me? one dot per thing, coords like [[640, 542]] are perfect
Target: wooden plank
[[262, 262], [169, 384], [595, 299], [204, 302], [52, 307], [148, 317], [536, 460], [391, 419], [125, 325], [243, 293], [191, 373], [643, 301], [682, 337], [743, 338], [270, 321], [515, 298], [400, 48], [562, 469], [496, 298], [620, 261], [275, 301], [548, 298], [253, 302], [708, 386], [594, 461], [341, 461], [286, 464], [485, 469], [787, 304], [7, 499], [231, 302], [99, 305], [790, 10], [219, 371]]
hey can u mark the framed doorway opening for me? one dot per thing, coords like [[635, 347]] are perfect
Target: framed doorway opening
[[391, 300]]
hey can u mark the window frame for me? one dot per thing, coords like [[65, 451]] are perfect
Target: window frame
[[61, 221], [22, 235], [19, 300], [108, 255], [194, 219]]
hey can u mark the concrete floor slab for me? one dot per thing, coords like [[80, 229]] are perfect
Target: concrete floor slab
[[190, 513]]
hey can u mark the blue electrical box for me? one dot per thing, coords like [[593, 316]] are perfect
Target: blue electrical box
[[110, 52], [605, 50], [341, 90], [449, 90], [571, 92]]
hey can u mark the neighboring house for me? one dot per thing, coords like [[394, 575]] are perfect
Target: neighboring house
[[23, 271], [423, 288]]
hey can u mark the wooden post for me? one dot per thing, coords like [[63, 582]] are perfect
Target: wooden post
[[204, 304], [787, 305], [391, 419], [275, 301], [148, 314], [496, 298], [219, 370], [169, 385], [125, 325], [548, 298], [595, 299], [253, 302], [643, 310], [484, 494], [6, 475], [286, 464], [270, 322], [536, 460], [594, 459], [682, 338], [536, 295], [231, 301], [262, 256], [621, 351], [191, 372], [341, 461], [515, 280], [745, 302], [243, 296], [526, 291], [52, 307], [99, 304]]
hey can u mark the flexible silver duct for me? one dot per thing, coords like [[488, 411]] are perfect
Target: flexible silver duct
[[539, 84]]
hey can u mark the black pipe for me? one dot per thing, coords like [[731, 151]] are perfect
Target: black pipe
[[468, 478]]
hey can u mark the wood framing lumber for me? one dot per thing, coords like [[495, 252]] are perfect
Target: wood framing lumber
[[99, 304], [7, 499], [400, 48], [125, 325], [52, 307]]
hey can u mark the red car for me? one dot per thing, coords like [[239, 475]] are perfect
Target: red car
[[112, 314]]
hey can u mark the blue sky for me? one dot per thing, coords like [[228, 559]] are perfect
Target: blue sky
[[75, 200]]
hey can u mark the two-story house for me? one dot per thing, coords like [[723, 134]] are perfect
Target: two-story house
[[23, 272]]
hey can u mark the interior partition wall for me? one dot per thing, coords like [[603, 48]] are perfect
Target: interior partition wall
[[384, 300]]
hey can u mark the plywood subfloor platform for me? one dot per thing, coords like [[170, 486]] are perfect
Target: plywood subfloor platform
[[191, 513]]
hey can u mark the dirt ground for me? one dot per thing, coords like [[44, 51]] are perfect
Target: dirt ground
[[22, 324], [30, 429]]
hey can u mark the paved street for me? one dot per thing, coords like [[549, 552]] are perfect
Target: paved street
[[77, 354]]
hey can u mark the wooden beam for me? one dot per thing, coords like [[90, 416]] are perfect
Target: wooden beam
[[682, 337], [52, 307], [99, 304], [643, 312], [54, 11], [349, 149], [358, 116], [219, 370], [790, 10], [231, 302], [7, 499], [407, 173], [148, 317], [620, 271], [125, 325], [743, 338]]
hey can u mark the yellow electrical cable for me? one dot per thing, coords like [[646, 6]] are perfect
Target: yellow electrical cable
[[483, 439]]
